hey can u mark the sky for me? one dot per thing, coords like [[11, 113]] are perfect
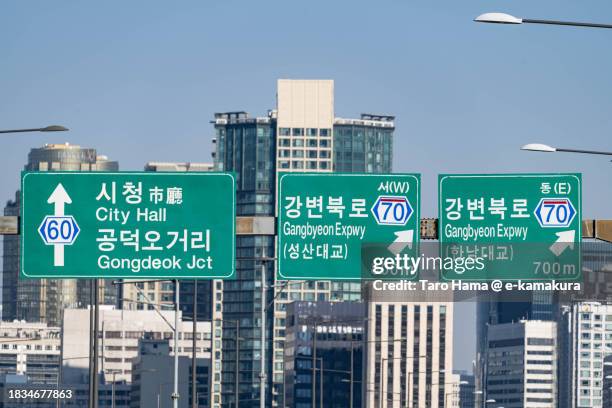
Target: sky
[[141, 80]]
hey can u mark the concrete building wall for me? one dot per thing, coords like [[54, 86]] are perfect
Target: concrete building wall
[[120, 331], [409, 354], [30, 349], [521, 364]]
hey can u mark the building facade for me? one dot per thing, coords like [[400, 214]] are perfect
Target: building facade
[[364, 145], [337, 354], [151, 388], [409, 354], [521, 369], [43, 300], [607, 382], [31, 350], [467, 390], [588, 328], [298, 135], [120, 333]]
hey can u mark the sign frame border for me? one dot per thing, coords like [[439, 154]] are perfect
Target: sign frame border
[[443, 176], [417, 214], [26, 173]]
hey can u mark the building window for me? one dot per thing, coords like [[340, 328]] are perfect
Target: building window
[[298, 132], [311, 132], [324, 132], [284, 131]]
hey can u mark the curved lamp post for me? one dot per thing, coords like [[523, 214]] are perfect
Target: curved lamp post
[[538, 147], [503, 18], [52, 128]]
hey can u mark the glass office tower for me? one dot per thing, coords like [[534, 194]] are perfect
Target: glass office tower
[[363, 145], [302, 134], [246, 146], [43, 300]]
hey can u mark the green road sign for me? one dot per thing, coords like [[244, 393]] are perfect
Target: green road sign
[[127, 225], [520, 226], [344, 226]]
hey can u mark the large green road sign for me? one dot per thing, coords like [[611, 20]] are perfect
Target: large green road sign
[[127, 225], [522, 226], [333, 226]]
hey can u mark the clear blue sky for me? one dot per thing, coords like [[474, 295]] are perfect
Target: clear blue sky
[[140, 80]]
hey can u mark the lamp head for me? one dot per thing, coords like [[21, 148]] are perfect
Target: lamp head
[[498, 18]]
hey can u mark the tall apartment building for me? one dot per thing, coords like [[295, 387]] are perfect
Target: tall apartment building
[[521, 368], [587, 328], [409, 353], [43, 300], [300, 134], [607, 382], [31, 350], [120, 333]]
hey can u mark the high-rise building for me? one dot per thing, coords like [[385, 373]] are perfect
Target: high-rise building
[[43, 300], [337, 353], [409, 353], [607, 382], [587, 328], [409, 356], [364, 145], [549, 306], [466, 390], [10, 264], [521, 369], [499, 309], [298, 135]]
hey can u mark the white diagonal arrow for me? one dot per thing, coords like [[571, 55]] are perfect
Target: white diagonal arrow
[[565, 239], [403, 239], [59, 197]]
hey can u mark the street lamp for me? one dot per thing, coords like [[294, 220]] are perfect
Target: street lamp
[[538, 147], [503, 18], [52, 128]]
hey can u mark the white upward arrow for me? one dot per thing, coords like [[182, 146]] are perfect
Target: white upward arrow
[[59, 197], [565, 239], [403, 239]]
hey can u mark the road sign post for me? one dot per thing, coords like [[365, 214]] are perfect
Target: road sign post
[[521, 226], [333, 226], [128, 225]]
